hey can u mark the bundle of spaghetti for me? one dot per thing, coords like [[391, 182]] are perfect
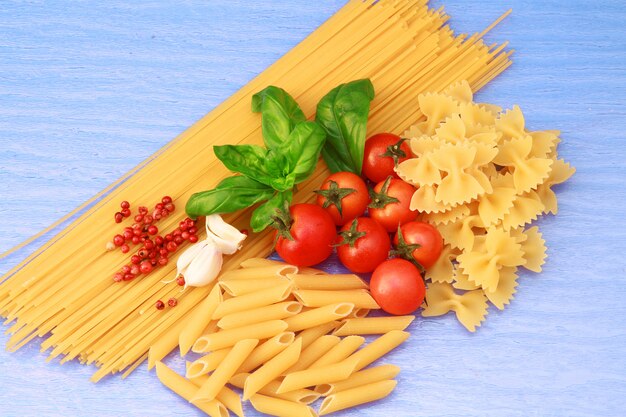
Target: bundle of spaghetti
[[64, 291]]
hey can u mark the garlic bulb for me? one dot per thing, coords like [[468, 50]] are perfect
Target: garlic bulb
[[201, 263]]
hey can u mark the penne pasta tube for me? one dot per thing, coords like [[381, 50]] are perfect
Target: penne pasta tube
[[357, 396], [256, 315], [266, 351], [310, 335], [318, 316], [253, 300], [226, 396], [322, 375], [311, 271], [237, 287], [272, 369], [359, 313], [304, 396], [379, 347], [327, 282], [314, 351], [373, 325], [318, 298], [206, 364], [187, 389], [357, 379], [346, 347], [199, 320], [226, 338], [225, 370], [166, 343], [269, 271], [280, 408]]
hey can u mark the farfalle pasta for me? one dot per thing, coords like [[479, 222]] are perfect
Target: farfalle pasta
[[482, 178]]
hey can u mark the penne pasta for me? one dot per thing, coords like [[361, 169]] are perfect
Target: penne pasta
[[272, 369], [379, 347], [280, 408], [256, 315], [357, 379], [359, 313], [199, 320], [314, 351], [206, 364], [266, 351], [225, 370], [187, 389], [304, 396], [318, 316], [322, 375], [166, 343], [253, 300], [357, 396], [226, 338], [226, 396], [269, 271], [237, 287], [373, 325], [327, 282], [319, 298], [346, 347], [311, 334]]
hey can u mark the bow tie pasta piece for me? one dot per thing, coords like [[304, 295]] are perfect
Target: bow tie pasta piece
[[443, 269], [419, 171], [454, 130], [436, 107], [527, 172], [447, 216], [474, 114], [493, 206], [534, 248], [460, 91], [460, 234], [462, 281], [458, 186], [511, 124], [423, 200], [423, 144], [526, 208], [544, 143], [561, 171], [507, 287], [470, 307], [483, 263]]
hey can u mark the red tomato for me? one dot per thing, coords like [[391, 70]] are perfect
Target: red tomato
[[390, 204], [309, 238], [344, 196], [397, 286], [420, 242], [383, 152], [364, 244]]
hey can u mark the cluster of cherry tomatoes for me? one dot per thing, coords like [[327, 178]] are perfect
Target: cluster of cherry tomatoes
[[309, 234]]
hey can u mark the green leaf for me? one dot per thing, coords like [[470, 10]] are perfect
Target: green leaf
[[249, 160], [263, 215], [231, 194], [343, 114], [280, 114], [302, 150]]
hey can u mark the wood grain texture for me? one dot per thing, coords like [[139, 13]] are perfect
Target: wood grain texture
[[89, 89]]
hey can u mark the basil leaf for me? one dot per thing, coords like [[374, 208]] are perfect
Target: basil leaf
[[280, 114], [302, 150], [262, 215], [249, 160], [231, 194], [343, 114]]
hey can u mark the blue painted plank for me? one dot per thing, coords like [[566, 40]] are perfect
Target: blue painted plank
[[89, 89]]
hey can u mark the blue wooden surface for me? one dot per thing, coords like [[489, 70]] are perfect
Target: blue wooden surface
[[88, 89]]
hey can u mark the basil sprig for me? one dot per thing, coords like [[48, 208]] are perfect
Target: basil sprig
[[292, 149], [343, 114]]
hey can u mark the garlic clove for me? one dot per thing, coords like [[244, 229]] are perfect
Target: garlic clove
[[205, 267], [185, 259], [227, 238]]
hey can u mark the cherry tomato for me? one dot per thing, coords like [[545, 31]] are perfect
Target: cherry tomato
[[363, 245], [397, 286], [383, 152], [419, 242], [344, 196], [390, 205], [306, 236]]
